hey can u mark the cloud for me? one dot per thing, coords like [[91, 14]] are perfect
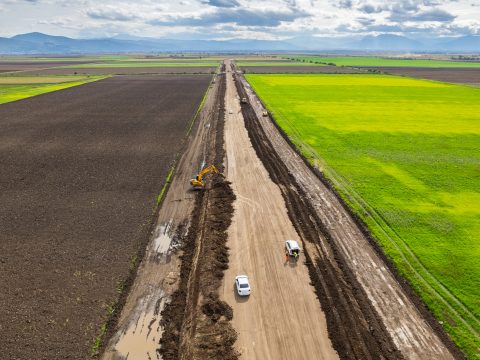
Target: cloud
[[344, 4], [291, 3], [365, 21], [221, 3], [110, 13], [370, 9], [241, 18], [434, 15], [238, 16], [9, 2]]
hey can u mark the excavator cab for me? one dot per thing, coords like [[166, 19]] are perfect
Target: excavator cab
[[197, 183]]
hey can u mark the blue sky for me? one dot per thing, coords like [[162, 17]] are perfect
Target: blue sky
[[226, 19]]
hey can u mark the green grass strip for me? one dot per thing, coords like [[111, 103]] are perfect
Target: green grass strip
[[168, 180]]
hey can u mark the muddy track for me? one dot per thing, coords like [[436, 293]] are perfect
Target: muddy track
[[354, 327], [196, 323]]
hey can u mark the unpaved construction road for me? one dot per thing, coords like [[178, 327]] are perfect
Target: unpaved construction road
[[373, 292], [340, 300], [282, 319]]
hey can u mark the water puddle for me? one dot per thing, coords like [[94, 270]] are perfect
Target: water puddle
[[163, 238], [141, 339]]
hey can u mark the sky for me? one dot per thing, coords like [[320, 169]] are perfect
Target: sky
[[252, 19]]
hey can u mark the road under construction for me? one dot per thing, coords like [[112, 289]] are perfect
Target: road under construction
[[339, 300]]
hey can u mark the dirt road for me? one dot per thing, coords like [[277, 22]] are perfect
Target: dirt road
[[139, 331], [410, 330], [282, 319]]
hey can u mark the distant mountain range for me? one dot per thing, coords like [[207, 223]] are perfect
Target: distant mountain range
[[38, 43]]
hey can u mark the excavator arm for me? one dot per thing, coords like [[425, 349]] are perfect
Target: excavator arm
[[197, 183]]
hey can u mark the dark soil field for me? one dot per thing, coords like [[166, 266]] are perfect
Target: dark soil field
[[16, 67], [81, 169], [453, 75], [32, 65], [44, 63], [290, 69], [124, 71]]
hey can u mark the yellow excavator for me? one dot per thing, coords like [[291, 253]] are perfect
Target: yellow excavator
[[198, 183]]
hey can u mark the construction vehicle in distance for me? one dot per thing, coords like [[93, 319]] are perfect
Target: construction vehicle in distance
[[197, 183]]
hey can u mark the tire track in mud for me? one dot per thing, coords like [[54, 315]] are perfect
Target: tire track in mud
[[354, 327], [196, 322]]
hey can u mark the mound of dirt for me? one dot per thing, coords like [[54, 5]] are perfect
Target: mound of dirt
[[215, 308]]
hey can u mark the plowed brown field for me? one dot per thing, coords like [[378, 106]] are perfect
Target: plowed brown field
[[81, 169], [124, 71], [453, 75], [300, 70]]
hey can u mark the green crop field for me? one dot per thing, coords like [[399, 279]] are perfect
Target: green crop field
[[16, 88], [405, 155], [378, 61]]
